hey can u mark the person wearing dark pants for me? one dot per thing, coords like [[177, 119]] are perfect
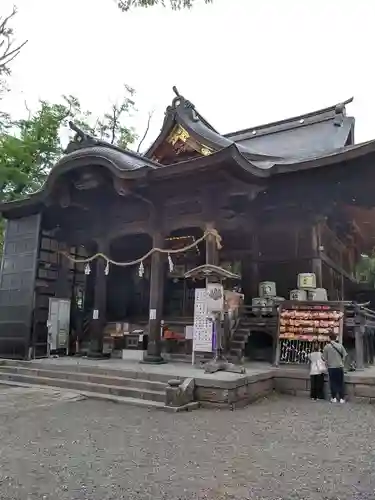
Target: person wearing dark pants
[[317, 370], [336, 383], [334, 355], [317, 386]]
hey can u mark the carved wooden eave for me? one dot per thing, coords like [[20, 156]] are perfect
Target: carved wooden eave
[[124, 166]]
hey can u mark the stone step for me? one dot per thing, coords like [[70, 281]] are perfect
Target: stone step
[[132, 392], [243, 330], [91, 369], [236, 353], [145, 403], [237, 344], [86, 377], [239, 337]]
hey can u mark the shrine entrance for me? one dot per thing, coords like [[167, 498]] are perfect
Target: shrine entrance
[[179, 292], [128, 293]]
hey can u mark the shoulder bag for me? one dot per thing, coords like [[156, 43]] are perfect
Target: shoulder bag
[[337, 350]]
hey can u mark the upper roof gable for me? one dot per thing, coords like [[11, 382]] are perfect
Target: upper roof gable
[[185, 134]]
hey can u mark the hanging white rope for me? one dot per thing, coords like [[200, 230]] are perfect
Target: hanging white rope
[[209, 232]]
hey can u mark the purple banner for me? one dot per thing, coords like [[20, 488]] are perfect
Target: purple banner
[[213, 337]]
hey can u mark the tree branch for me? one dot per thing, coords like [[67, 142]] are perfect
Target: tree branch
[[126, 5], [150, 115], [9, 52], [116, 116]]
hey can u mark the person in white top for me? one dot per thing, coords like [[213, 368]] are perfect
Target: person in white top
[[317, 371]]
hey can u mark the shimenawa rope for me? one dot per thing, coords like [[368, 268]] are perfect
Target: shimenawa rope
[[207, 233]]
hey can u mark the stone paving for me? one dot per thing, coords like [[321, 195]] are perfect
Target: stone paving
[[277, 449], [172, 369]]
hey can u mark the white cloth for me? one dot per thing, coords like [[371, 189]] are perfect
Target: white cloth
[[317, 365]]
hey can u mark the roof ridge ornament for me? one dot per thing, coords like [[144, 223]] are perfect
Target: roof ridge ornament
[[81, 139], [340, 112], [174, 88], [188, 105]]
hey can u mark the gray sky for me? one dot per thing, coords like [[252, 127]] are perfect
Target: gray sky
[[241, 62]]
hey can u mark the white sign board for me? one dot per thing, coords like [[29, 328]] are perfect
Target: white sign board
[[215, 297], [189, 332], [58, 324], [202, 329]]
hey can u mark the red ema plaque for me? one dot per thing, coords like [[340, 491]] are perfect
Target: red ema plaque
[[307, 321]]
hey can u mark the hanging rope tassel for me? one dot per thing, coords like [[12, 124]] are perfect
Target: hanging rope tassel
[[141, 270], [106, 270], [170, 263]]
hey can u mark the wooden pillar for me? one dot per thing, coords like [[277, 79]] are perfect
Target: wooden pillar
[[210, 217], [366, 353], [255, 275], [249, 263], [359, 321], [98, 320], [63, 285], [153, 354], [212, 252], [317, 261], [371, 348]]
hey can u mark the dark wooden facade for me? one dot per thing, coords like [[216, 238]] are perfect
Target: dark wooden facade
[[278, 213]]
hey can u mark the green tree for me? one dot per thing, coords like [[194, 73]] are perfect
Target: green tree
[[126, 5], [365, 270], [30, 147]]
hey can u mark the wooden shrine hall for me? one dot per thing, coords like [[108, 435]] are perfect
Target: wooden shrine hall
[[284, 198]]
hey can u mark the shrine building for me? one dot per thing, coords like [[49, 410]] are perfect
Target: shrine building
[[294, 196]]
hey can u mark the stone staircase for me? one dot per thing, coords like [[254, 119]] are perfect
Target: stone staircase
[[121, 386], [238, 341]]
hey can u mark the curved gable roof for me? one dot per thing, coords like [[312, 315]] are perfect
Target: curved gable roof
[[317, 132], [84, 151]]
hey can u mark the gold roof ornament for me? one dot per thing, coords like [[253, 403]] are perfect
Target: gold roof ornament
[[178, 134]]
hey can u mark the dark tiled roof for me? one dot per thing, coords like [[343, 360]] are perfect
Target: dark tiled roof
[[318, 132], [122, 159]]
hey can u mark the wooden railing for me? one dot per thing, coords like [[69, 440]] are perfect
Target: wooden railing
[[335, 249]]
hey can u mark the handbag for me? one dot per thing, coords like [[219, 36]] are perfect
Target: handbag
[[321, 365]]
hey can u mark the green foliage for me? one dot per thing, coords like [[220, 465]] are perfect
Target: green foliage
[[126, 5], [30, 147], [365, 270]]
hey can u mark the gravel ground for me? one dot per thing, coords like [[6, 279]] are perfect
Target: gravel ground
[[279, 448]]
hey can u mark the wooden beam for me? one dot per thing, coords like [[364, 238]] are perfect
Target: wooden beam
[[337, 268]]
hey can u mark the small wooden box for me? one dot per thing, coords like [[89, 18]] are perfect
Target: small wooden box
[[306, 281], [267, 289]]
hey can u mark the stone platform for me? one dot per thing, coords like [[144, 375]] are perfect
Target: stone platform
[[130, 379], [221, 389], [359, 385]]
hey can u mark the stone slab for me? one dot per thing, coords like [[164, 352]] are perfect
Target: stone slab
[[221, 389], [364, 391]]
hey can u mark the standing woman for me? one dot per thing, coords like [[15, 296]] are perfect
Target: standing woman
[[317, 371]]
